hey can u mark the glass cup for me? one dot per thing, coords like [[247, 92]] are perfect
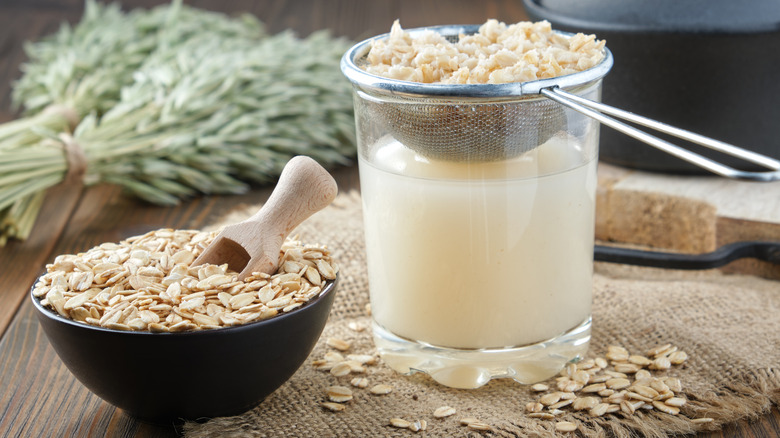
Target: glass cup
[[479, 263]]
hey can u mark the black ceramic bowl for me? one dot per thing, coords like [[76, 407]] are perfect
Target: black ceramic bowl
[[188, 375]]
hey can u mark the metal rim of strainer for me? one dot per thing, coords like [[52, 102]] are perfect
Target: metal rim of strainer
[[350, 67]]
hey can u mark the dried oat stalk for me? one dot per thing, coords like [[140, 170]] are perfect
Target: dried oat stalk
[[170, 103]]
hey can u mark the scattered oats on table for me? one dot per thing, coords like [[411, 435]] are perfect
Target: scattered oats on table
[[444, 411], [480, 426], [147, 283], [626, 388], [338, 394], [338, 344], [359, 382], [565, 426], [333, 407], [341, 369], [400, 423], [381, 389], [418, 425], [339, 366]]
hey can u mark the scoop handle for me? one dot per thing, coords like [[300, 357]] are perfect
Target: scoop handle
[[304, 188]]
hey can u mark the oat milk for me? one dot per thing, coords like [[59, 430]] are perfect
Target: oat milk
[[479, 255]]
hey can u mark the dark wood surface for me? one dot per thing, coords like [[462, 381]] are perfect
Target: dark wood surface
[[38, 395]]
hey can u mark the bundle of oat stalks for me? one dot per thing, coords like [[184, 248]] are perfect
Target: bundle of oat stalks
[[169, 103]]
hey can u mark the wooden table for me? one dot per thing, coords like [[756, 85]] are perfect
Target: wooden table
[[38, 395]]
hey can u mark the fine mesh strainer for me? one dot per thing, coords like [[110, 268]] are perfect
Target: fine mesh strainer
[[488, 122], [468, 130]]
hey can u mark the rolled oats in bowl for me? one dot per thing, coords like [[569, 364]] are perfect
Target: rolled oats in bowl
[[147, 283]]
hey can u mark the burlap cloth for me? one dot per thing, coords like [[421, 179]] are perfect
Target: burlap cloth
[[729, 325]]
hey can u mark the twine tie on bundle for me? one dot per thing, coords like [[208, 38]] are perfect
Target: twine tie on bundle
[[76, 159]]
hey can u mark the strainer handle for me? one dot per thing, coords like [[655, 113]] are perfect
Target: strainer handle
[[601, 112]]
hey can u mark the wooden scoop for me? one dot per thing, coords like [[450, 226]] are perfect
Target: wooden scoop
[[304, 188]]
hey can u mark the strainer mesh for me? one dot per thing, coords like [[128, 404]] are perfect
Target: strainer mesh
[[462, 130]]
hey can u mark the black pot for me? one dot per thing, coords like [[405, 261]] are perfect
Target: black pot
[[708, 66]]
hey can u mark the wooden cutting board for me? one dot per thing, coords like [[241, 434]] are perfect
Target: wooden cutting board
[[689, 214]]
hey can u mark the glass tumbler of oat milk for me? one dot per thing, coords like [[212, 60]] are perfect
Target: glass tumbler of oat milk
[[479, 204]]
